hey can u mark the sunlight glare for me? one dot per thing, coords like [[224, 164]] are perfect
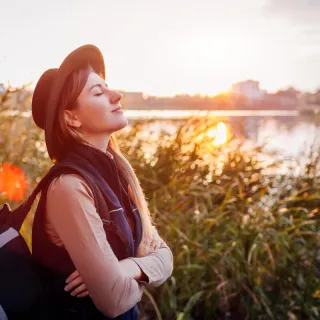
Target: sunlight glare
[[219, 133], [212, 132]]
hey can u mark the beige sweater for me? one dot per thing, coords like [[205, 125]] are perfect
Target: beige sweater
[[73, 222]]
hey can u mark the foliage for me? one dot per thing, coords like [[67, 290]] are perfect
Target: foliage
[[245, 241]]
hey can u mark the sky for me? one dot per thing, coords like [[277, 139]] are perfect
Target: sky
[[167, 47]]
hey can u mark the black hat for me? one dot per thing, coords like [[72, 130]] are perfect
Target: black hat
[[46, 95]]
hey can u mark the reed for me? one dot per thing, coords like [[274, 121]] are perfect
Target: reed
[[245, 237]]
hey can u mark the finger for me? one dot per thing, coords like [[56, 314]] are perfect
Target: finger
[[83, 294], [73, 284], [153, 247], [153, 244], [158, 245], [154, 239], [73, 276], [79, 290]]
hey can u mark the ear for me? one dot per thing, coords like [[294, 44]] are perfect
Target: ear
[[72, 119]]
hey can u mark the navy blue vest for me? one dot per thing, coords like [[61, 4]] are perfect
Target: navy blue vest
[[55, 264]]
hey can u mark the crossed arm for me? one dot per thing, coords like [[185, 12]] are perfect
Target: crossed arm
[[72, 213]]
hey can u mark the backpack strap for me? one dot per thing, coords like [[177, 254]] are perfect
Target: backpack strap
[[18, 215]]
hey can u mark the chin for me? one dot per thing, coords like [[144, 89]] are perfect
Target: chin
[[121, 125], [125, 122]]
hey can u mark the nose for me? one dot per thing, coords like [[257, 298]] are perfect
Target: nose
[[115, 97]]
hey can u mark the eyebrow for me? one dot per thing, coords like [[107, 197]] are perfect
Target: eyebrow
[[98, 85]]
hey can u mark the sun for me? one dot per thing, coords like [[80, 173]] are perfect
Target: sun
[[219, 133]]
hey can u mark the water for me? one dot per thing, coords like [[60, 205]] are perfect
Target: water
[[181, 114], [291, 137], [285, 131]]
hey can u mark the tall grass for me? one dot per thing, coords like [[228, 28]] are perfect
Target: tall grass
[[245, 242], [245, 238]]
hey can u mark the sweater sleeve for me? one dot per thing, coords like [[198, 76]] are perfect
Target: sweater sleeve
[[72, 213], [157, 266]]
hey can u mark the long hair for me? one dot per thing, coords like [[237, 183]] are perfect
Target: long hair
[[66, 134]]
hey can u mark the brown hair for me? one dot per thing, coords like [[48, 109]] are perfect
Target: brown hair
[[66, 134]]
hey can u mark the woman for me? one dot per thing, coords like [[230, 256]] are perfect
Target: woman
[[99, 252]]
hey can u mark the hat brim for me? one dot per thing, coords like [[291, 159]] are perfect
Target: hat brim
[[80, 57]]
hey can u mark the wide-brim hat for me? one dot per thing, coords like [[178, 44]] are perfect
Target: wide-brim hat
[[48, 90]]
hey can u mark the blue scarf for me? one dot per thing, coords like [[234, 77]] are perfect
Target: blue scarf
[[114, 188]]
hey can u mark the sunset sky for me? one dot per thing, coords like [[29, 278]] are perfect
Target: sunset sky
[[169, 46]]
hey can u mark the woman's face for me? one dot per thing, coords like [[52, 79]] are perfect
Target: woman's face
[[95, 112]]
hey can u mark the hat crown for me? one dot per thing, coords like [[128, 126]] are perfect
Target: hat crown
[[40, 96]]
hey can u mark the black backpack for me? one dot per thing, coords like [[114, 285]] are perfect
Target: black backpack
[[22, 291]]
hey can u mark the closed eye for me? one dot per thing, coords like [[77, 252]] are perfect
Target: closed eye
[[98, 94]]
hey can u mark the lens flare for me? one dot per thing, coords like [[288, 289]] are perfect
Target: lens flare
[[13, 182]]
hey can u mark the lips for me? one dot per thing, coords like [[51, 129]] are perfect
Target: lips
[[116, 109]]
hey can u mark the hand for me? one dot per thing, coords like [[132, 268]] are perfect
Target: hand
[[75, 281], [149, 245]]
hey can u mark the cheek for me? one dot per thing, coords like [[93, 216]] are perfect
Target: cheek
[[96, 116], [95, 112]]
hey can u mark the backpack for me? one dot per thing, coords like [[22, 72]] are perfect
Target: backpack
[[22, 291]]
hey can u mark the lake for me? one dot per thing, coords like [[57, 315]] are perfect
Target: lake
[[286, 131]]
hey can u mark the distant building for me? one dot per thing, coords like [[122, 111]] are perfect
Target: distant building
[[135, 95], [249, 89], [134, 100]]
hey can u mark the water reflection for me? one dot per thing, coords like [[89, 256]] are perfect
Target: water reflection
[[219, 133], [290, 138], [284, 131]]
